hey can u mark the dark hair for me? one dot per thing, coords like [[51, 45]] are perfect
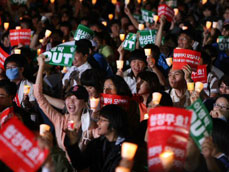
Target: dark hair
[[79, 91], [117, 117], [225, 80], [92, 77], [16, 58], [82, 46], [120, 85], [154, 50], [137, 54], [9, 87], [220, 135]]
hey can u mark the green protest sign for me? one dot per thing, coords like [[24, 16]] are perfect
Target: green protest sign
[[62, 55], [171, 3], [201, 124], [138, 17], [130, 42], [147, 16], [83, 32], [223, 43], [19, 2], [147, 37]]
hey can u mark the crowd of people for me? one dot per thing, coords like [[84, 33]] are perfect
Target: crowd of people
[[61, 94]]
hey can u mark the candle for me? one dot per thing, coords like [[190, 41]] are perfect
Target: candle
[[64, 70], [41, 40], [94, 2], [17, 51], [184, 27], [38, 51], [199, 86], [44, 128], [122, 169], [139, 1], [104, 23], [208, 24], [6, 25], [155, 18], [122, 36], [63, 41], [169, 61], [26, 89], [190, 86], [71, 125], [215, 24], [176, 11], [156, 98], [127, 2], [18, 27], [147, 52], [141, 27], [52, 1], [119, 64], [128, 150], [204, 1], [110, 16], [114, 2], [167, 159], [47, 33], [217, 40], [146, 116], [94, 102]]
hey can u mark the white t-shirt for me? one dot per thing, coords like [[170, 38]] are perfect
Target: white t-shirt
[[130, 80]]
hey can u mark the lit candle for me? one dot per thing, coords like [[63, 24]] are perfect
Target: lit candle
[[146, 116], [17, 51], [26, 89], [167, 159], [208, 24], [52, 1], [217, 40], [204, 1], [44, 128], [184, 27], [155, 18], [38, 51], [47, 33], [128, 150], [215, 25], [71, 125], [190, 86], [139, 1], [114, 2], [41, 40], [169, 61], [199, 86], [147, 52], [63, 41], [64, 70], [94, 102], [18, 27], [122, 169], [122, 36], [94, 2], [110, 16], [104, 23], [141, 27], [156, 98], [176, 11], [119, 64], [127, 2], [6, 25]]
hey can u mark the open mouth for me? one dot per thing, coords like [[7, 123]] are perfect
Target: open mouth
[[71, 108]]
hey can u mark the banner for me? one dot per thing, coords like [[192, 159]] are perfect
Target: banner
[[3, 56], [181, 57], [147, 16], [139, 18], [62, 55], [20, 36], [223, 43], [201, 124], [83, 32], [147, 37], [171, 3], [201, 74], [130, 42], [166, 11], [21, 2], [5, 115], [106, 99], [170, 126], [19, 147]]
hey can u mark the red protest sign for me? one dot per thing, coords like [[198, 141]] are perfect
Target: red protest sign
[[19, 144], [201, 74], [20, 36], [3, 56], [168, 131], [182, 57], [106, 99], [6, 114], [166, 11]]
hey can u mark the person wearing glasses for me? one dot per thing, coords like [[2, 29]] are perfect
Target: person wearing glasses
[[221, 108]]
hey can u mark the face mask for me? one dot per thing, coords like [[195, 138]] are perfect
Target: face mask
[[12, 73]]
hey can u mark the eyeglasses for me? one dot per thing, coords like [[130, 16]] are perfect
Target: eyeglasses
[[11, 67], [221, 106], [103, 120]]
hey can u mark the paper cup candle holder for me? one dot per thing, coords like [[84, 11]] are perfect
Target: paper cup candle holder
[[44, 128], [147, 52], [26, 89], [156, 98], [119, 64], [122, 36], [71, 125], [128, 150], [199, 86], [94, 102], [190, 86]]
